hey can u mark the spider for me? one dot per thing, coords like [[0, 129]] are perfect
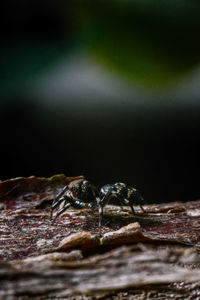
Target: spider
[[82, 194]]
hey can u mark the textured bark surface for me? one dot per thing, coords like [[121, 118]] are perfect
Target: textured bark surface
[[153, 255]]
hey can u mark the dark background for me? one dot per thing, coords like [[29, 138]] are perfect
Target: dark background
[[105, 90]]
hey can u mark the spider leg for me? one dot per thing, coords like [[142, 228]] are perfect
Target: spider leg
[[140, 201], [142, 208], [55, 205], [129, 203], [62, 199], [133, 211], [67, 205], [76, 203], [58, 200], [136, 199], [101, 203], [100, 217]]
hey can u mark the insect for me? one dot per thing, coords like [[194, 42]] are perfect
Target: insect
[[82, 194]]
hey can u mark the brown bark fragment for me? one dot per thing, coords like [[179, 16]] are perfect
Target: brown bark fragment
[[134, 267], [67, 258]]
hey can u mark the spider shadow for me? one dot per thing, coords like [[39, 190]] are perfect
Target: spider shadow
[[112, 221], [147, 221]]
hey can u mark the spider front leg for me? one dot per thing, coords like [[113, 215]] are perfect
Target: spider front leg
[[64, 208], [101, 203], [100, 208], [58, 200], [73, 202]]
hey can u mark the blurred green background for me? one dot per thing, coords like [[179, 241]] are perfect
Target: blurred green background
[[106, 89]]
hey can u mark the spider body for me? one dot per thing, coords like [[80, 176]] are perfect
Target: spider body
[[82, 194], [120, 194]]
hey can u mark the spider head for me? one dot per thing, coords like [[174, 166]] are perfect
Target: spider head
[[83, 189]]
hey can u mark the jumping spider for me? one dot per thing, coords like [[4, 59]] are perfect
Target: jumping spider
[[82, 194]]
